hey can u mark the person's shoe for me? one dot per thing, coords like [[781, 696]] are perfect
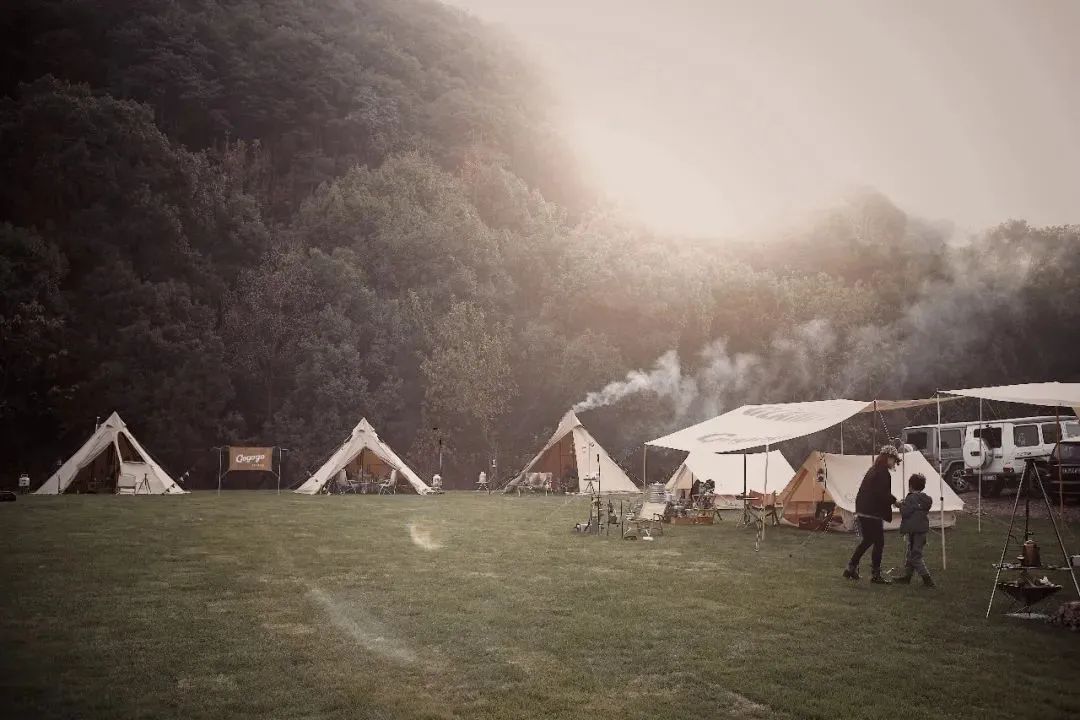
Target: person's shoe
[[878, 579], [851, 573], [928, 581]]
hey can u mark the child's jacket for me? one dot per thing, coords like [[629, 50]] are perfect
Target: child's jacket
[[915, 513]]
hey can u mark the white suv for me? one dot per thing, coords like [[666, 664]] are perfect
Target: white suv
[[996, 450]]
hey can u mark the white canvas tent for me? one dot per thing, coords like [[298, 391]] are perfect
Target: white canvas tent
[[111, 460], [844, 474], [756, 472], [364, 449], [575, 459]]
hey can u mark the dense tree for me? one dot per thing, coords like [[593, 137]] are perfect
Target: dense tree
[[34, 373], [259, 221]]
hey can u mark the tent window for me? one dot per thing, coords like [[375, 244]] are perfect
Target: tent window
[[951, 439], [1026, 435], [128, 453], [992, 436], [917, 439]]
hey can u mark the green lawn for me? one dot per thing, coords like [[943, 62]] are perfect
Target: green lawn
[[255, 605]]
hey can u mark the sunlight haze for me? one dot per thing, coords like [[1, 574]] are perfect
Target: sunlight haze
[[711, 117]]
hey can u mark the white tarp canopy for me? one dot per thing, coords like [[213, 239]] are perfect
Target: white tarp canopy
[[729, 472], [572, 449], [132, 467], [1046, 394], [843, 476], [753, 426], [365, 440]]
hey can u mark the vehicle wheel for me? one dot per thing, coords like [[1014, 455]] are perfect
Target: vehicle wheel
[[955, 477], [992, 487]]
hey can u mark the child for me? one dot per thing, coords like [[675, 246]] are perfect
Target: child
[[915, 521]]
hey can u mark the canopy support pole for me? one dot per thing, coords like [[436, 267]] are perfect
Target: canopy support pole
[[745, 505], [644, 468], [218, 471], [765, 495], [941, 481], [1061, 487], [982, 460], [873, 422], [598, 496], [744, 474]]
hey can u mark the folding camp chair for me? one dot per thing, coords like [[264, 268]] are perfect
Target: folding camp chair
[[649, 518], [126, 484], [825, 515], [389, 486], [346, 484], [436, 485], [767, 509]]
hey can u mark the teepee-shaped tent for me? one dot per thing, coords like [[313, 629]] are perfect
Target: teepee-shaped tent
[[363, 450], [841, 476], [112, 460], [577, 462]]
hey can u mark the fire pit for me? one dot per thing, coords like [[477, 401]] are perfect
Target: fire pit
[[1027, 592]]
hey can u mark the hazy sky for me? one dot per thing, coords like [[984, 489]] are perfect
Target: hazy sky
[[709, 116]]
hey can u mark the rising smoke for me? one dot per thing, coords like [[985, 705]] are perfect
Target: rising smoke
[[929, 346]]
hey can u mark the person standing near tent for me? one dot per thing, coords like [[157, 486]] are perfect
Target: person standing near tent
[[873, 508]]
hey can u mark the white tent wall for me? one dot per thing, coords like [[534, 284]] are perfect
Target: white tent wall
[[612, 477], [158, 480], [844, 476], [726, 471], [146, 476], [363, 439]]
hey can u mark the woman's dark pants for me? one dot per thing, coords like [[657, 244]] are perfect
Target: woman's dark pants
[[873, 535]]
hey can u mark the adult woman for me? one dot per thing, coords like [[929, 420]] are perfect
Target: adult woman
[[873, 508]]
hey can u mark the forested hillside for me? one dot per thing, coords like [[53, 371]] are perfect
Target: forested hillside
[[260, 221]]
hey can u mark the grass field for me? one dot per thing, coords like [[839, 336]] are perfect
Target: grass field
[[473, 606]]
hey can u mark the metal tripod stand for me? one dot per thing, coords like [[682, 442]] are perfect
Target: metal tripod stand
[[1028, 480]]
